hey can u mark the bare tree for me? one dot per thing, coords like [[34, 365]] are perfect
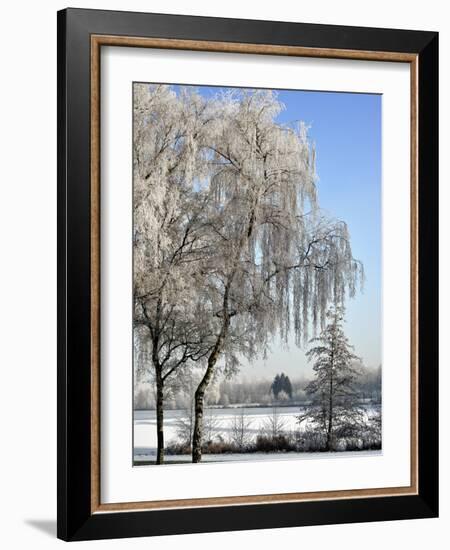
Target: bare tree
[[240, 427], [274, 425], [185, 425], [211, 427]]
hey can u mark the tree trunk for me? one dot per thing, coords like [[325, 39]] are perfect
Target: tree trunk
[[330, 404], [213, 358], [329, 434], [198, 408], [200, 392], [330, 417], [159, 419]]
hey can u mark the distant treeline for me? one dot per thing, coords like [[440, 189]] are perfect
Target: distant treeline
[[257, 392]]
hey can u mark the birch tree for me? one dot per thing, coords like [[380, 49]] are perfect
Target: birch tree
[[334, 410], [277, 264], [168, 240]]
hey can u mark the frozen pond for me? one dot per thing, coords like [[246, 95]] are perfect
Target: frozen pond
[[219, 423]]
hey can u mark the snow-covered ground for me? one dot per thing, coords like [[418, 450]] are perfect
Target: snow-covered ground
[[222, 420], [247, 457]]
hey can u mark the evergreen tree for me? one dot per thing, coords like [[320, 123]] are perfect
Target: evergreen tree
[[281, 383], [275, 388], [288, 387], [334, 407]]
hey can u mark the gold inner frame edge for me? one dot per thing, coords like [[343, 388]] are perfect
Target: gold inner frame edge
[[97, 41]]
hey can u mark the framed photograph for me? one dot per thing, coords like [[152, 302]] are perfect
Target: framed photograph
[[247, 256]]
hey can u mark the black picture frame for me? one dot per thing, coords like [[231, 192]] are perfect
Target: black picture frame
[[75, 518]]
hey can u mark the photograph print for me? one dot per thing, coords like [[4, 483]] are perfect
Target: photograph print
[[256, 274]]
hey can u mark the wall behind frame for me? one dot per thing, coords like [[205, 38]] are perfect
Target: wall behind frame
[[28, 277]]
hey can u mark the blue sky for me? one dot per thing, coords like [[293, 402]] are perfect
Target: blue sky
[[346, 129]]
